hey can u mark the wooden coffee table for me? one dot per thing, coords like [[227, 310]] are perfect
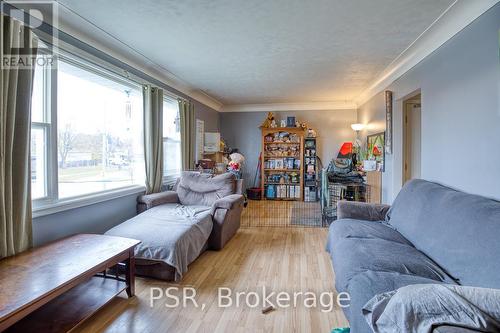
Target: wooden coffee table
[[55, 287]]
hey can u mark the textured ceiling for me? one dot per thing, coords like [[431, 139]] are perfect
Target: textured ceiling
[[263, 51]]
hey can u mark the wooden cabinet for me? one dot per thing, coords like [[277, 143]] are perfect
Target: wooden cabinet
[[374, 181], [217, 157], [282, 167]]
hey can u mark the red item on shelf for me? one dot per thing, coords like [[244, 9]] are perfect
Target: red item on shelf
[[346, 148]]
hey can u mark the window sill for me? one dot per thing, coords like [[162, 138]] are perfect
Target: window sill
[[48, 208]]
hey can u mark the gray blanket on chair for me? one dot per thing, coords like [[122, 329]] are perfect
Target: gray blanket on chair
[[420, 308], [172, 233]]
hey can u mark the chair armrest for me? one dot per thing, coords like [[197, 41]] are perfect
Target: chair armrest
[[226, 216], [156, 199], [361, 211], [229, 202], [239, 186]]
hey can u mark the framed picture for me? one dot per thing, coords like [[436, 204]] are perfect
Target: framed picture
[[290, 121], [375, 144], [388, 122]]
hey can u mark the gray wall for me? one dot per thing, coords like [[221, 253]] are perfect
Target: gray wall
[[460, 86], [96, 218], [241, 130], [208, 115]]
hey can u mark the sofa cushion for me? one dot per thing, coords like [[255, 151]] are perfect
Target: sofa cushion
[[366, 285], [421, 307], [197, 189], [351, 228], [459, 231], [354, 255]]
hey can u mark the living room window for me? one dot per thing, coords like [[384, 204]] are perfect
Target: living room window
[[87, 132], [171, 139], [99, 125]]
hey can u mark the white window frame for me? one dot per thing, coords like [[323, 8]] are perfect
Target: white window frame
[[51, 203], [169, 179], [49, 125]]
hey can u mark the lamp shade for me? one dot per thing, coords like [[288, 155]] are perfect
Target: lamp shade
[[357, 127]]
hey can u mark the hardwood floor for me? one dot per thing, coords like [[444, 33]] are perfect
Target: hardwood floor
[[282, 259]]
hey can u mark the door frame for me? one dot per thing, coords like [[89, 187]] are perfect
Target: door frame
[[397, 159]]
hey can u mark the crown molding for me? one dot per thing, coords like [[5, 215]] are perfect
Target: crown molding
[[275, 107], [459, 15], [79, 28]]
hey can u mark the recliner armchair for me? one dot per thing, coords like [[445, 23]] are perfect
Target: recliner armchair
[[175, 227], [226, 212]]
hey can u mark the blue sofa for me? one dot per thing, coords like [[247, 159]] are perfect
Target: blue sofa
[[431, 234]]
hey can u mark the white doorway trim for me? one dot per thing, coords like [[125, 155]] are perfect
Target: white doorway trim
[[397, 143]]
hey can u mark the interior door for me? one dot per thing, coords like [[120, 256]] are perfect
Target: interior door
[[412, 140]]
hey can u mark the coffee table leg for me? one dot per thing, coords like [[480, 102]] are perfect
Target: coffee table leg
[[130, 274]]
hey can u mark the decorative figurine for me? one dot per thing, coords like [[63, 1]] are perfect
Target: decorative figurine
[[269, 120], [311, 133]]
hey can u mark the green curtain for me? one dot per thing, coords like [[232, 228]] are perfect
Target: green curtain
[[153, 138], [186, 111], [15, 134]]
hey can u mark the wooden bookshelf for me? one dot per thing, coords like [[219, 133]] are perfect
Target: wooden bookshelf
[[282, 167]]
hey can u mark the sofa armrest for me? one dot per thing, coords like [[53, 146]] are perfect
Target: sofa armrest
[[453, 329], [361, 211], [229, 202], [145, 202]]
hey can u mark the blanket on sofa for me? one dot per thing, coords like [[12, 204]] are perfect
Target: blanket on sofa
[[172, 233], [421, 307]]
